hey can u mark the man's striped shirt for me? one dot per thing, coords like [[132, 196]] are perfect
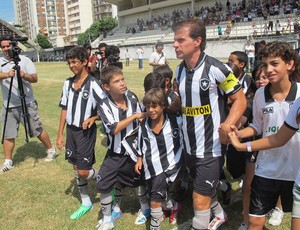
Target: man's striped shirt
[[203, 91]]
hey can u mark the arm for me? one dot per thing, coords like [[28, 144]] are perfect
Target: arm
[[276, 140], [89, 122], [62, 122], [32, 78], [124, 123], [237, 109], [93, 65], [138, 166], [9, 74]]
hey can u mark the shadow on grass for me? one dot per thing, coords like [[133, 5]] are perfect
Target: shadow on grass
[[33, 149], [73, 191]]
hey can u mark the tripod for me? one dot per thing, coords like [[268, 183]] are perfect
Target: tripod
[[25, 114]]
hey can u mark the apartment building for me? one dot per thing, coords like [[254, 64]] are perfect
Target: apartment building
[[60, 20]]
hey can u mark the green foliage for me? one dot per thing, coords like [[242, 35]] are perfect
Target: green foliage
[[103, 26], [43, 41]]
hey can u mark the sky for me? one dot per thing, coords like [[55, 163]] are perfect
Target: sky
[[7, 10]]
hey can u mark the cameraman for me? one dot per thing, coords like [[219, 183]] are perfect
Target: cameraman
[[14, 114], [99, 62]]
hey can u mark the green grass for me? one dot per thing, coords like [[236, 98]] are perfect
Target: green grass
[[40, 195]]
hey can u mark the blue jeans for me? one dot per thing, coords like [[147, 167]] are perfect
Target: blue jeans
[[140, 63]]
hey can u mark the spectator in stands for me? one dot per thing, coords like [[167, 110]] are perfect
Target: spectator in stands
[[270, 26], [127, 57], [140, 54], [158, 57], [250, 51], [296, 26], [220, 31], [277, 27]]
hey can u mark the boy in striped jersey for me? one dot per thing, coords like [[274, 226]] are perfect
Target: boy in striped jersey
[[79, 99], [204, 85], [120, 113], [160, 149]]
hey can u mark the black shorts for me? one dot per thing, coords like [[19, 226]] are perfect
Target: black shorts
[[116, 168], [265, 193], [205, 173], [157, 187], [235, 162], [80, 146]]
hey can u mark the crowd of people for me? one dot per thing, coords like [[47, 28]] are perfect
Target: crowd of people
[[178, 135], [221, 12]]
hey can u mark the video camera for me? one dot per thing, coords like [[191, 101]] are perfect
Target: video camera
[[99, 52], [15, 50], [112, 54]]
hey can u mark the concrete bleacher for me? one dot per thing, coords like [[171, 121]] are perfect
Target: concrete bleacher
[[239, 30]]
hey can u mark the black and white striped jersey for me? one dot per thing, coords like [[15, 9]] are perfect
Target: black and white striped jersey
[[81, 104], [203, 91], [161, 152], [111, 114]]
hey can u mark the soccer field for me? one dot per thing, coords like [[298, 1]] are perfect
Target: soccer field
[[41, 195]]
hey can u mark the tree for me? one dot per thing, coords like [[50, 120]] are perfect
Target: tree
[[103, 26], [43, 41]]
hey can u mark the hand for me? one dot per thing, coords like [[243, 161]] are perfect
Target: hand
[[224, 129], [11, 73], [22, 74], [234, 139], [141, 116], [60, 143], [88, 123], [138, 166]]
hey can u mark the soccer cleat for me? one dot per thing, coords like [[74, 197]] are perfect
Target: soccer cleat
[[216, 223], [4, 168], [116, 215], [105, 226], [276, 217], [80, 212], [174, 213], [142, 217], [227, 194], [51, 154]]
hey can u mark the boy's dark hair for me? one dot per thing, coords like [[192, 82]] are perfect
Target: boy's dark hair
[[108, 72], [165, 71], [154, 80], [155, 96], [241, 56], [87, 46], [285, 51], [77, 52], [236, 70]]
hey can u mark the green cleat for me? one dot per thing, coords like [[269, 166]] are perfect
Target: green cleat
[[80, 212]]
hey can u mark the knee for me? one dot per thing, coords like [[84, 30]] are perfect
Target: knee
[[83, 173], [201, 202]]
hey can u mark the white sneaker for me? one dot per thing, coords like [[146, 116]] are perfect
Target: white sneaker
[[105, 226], [216, 223], [4, 168], [243, 226], [276, 217], [51, 154]]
